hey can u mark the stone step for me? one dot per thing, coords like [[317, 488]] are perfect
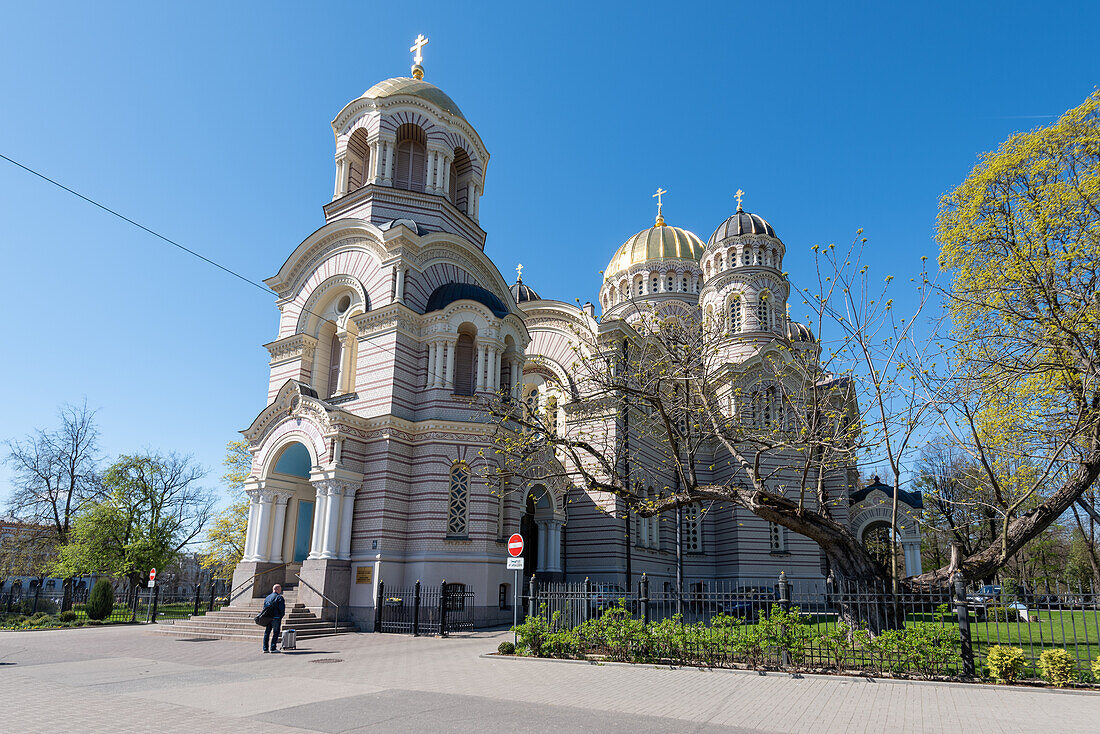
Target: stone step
[[224, 624], [256, 633]]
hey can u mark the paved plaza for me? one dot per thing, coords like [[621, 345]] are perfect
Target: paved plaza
[[122, 679]]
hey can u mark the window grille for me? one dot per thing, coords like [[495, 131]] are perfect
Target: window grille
[[459, 501], [777, 539], [693, 530], [762, 313], [735, 316]]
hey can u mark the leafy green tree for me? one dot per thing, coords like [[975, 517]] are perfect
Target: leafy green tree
[[225, 538], [152, 508], [1021, 238], [101, 601]]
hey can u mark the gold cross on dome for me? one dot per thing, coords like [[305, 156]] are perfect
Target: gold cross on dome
[[519, 272], [657, 196], [420, 42], [738, 196]]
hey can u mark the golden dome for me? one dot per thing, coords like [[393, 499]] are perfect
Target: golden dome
[[660, 242], [416, 88]]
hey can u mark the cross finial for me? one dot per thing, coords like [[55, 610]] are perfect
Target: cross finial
[[657, 196], [420, 42], [519, 273], [738, 196]]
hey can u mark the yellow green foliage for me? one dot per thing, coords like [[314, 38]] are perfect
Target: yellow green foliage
[[1057, 666], [1005, 662]]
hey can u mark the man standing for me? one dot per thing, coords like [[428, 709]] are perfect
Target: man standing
[[274, 609]]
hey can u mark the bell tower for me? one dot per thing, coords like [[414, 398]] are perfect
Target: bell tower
[[405, 152]]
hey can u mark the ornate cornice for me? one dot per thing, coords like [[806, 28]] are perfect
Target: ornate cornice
[[296, 346]]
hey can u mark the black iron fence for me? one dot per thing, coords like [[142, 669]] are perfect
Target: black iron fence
[[424, 610], [137, 604], [818, 625]]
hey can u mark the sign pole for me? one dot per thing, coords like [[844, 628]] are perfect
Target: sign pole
[[515, 608], [515, 562]]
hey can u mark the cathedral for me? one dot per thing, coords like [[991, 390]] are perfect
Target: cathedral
[[368, 461]]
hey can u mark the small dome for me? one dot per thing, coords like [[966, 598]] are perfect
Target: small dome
[[523, 292], [797, 332], [448, 293], [416, 88], [656, 243], [741, 222]]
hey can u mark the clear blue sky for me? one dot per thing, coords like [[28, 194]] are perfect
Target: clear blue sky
[[210, 124]]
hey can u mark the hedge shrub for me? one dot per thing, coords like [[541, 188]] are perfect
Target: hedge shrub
[[1005, 662], [101, 601], [1058, 667]]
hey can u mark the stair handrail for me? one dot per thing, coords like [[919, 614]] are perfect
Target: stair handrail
[[336, 624], [252, 578]]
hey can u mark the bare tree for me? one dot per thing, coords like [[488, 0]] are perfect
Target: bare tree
[[55, 474]]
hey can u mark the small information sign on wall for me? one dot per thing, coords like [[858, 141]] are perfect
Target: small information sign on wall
[[364, 574]]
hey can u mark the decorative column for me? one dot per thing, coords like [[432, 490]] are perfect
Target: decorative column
[[341, 186], [469, 198], [517, 373], [387, 178], [445, 189], [401, 269], [376, 161], [281, 499], [553, 546], [544, 542], [449, 379], [430, 178], [493, 379], [263, 529], [330, 532], [253, 525], [429, 380], [439, 378], [347, 515], [477, 202], [482, 359], [319, 511]]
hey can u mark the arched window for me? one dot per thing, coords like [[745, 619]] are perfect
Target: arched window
[[411, 163], [641, 285], [358, 160], [654, 288], [462, 170], [335, 356], [464, 365], [684, 284], [736, 321], [671, 282], [763, 312], [459, 501]]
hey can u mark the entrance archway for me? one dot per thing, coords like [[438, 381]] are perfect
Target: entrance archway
[[541, 527]]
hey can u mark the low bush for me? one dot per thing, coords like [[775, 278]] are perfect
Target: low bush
[[96, 622], [67, 616], [1058, 667], [532, 632], [504, 648], [1096, 670], [1005, 663], [1001, 614]]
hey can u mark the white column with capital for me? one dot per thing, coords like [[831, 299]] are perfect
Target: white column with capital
[[544, 542], [517, 388], [401, 269], [319, 511], [331, 532], [429, 380], [477, 202], [449, 380], [377, 171], [347, 515], [482, 358], [341, 186], [387, 178], [553, 546], [430, 184], [253, 525], [445, 166], [276, 554], [263, 529], [469, 198]]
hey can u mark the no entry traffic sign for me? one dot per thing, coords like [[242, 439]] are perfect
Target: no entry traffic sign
[[515, 545]]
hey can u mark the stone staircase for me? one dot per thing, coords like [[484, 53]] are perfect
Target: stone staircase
[[236, 622]]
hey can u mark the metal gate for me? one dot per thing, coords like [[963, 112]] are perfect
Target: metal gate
[[419, 610]]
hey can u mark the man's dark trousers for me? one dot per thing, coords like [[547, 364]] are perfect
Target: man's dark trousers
[[272, 631]]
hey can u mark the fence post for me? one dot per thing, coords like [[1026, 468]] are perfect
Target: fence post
[[783, 587], [198, 599], [645, 598], [378, 602], [37, 593], [153, 611], [416, 609], [443, 608], [533, 597], [587, 598], [964, 625], [210, 606]]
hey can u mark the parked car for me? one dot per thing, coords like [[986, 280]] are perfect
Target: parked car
[[604, 595], [748, 601]]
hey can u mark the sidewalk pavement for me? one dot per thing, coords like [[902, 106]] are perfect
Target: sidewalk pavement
[[121, 679]]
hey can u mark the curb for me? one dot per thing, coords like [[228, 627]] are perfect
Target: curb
[[798, 676]]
